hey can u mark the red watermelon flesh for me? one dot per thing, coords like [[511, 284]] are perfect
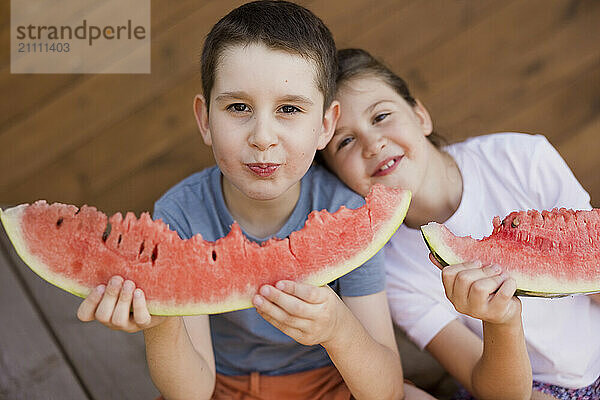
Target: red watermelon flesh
[[75, 249], [550, 253]]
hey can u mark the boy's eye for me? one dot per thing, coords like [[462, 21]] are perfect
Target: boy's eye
[[344, 142], [238, 107], [380, 117], [287, 109]]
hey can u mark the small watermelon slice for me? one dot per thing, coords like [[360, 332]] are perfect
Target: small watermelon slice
[[550, 254], [78, 249]]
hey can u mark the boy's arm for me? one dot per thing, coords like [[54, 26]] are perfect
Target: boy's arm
[[181, 368], [367, 358], [368, 340], [180, 358]]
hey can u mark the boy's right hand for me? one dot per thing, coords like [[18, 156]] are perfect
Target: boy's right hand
[[482, 292], [111, 305]]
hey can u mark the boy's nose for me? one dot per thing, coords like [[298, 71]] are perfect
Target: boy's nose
[[373, 146], [262, 136]]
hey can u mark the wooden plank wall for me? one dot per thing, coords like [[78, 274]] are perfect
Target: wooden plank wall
[[480, 66]]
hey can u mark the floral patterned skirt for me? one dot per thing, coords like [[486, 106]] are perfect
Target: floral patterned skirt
[[591, 392]]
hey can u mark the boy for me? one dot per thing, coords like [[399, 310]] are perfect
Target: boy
[[268, 76]]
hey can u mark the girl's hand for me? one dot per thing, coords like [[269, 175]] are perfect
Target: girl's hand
[[308, 314], [111, 306], [484, 292]]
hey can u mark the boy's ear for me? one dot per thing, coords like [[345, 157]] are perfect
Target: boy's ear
[[201, 113], [424, 118], [330, 119]]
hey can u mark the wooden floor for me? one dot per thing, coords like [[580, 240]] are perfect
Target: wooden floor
[[47, 353]]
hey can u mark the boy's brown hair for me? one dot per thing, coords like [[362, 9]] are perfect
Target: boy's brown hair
[[279, 25]]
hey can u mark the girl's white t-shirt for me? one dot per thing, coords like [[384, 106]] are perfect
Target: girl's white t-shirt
[[501, 173]]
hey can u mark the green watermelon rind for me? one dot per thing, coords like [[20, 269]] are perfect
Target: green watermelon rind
[[527, 287], [236, 301]]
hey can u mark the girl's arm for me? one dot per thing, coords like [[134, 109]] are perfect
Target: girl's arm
[[358, 337], [485, 370], [499, 367]]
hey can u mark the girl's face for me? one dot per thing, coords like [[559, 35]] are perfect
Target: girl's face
[[379, 138]]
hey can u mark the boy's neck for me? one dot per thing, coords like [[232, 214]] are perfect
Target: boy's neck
[[260, 218], [440, 195]]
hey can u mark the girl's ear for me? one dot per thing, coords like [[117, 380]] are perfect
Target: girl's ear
[[424, 118], [201, 113], [330, 119]]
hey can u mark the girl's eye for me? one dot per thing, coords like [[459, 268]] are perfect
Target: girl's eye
[[344, 142], [287, 109], [238, 107], [380, 117]]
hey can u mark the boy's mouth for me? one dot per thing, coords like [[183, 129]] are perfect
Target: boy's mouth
[[387, 166], [263, 169]]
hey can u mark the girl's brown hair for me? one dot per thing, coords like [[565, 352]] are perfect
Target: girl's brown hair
[[358, 62]]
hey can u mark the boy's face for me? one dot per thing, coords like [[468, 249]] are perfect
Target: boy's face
[[265, 121]]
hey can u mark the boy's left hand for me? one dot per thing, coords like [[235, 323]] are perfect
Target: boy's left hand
[[308, 314]]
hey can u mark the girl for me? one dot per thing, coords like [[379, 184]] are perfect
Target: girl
[[386, 136]]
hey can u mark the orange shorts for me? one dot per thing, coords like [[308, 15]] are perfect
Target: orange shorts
[[324, 383]]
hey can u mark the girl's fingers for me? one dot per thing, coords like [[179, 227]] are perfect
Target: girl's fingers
[[504, 294], [308, 293], [121, 313], [141, 315], [106, 307], [434, 261], [87, 308], [457, 278], [483, 288]]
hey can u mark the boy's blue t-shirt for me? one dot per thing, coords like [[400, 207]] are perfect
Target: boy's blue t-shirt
[[243, 341]]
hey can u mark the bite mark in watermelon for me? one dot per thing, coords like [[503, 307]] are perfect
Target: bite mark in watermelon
[[78, 249], [549, 254]]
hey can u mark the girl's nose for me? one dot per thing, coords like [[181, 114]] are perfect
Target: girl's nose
[[373, 146], [262, 136]]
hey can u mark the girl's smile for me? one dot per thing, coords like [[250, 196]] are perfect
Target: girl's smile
[[387, 166]]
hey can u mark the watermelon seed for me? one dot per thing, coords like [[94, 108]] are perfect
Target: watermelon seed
[[515, 223], [141, 248], [154, 254], [106, 232], [214, 255], [59, 222], [119, 240]]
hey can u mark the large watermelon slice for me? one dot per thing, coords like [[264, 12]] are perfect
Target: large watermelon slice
[[78, 249], [550, 254]]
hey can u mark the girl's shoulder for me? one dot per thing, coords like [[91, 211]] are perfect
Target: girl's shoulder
[[503, 152], [508, 142]]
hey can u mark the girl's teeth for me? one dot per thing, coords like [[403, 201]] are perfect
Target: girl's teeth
[[389, 164]]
